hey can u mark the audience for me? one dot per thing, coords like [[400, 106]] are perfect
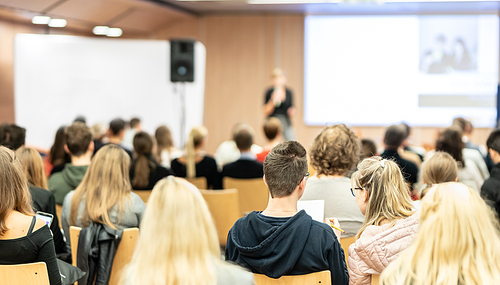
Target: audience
[[42, 199], [12, 136], [104, 195], [490, 190], [135, 127], [368, 148], [228, 152], [279, 240], [23, 237], [440, 168], [58, 157], [420, 151], [165, 150], [334, 152], [404, 151], [144, 171], [393, 138], [390, 223], [178, 243], [195, 163], [79, 145], [247, 165], [273, 130], [115, 135], [457, 242]]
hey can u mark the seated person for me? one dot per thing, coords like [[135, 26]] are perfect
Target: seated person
[[104, 196], [195, 163], [115, 135], [165, 149], [228, 152], [490, 190], [79, 145], [368, 148], [58, 157], [440, 168], [23, 237], [272, 129], [144, 171], [334, 152], [246, 166], [281, 241], [134, 127]]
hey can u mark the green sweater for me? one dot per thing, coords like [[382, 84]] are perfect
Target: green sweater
[[61, 183]]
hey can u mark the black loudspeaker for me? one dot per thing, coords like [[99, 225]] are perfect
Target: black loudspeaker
[[181, 60]]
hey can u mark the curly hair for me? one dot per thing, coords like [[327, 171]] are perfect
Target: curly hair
[[336, 150]]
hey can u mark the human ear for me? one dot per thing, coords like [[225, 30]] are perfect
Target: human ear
[[367, 195]]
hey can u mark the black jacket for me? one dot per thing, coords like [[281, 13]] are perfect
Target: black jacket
[[286, 246], [97, 246], [409, 169], [244, 169], [491, 189]]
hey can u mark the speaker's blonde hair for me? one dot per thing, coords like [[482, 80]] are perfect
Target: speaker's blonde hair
[[178, 243], [389, 195], [196, 136], [32, 163], [457, 242]]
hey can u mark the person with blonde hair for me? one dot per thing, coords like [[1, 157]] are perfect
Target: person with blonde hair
[[390, 224], [334, 152], [195, 163], [165, 149], [440, 168], [23, 237], [104, 196], [457, 243], [42, 199], [178, 243]]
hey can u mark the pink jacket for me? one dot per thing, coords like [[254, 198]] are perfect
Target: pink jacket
[[377, 247]]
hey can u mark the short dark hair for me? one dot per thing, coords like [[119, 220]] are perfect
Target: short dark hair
[[407, 129], [134, 122], [394, 135], [117, 125], [284, 168], [493, 141], [80, 119], [243, 139], [12, 136], [78, 137], [368, 148], [272, 127]]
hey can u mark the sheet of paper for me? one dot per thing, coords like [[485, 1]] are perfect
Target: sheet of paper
[[314, 208]]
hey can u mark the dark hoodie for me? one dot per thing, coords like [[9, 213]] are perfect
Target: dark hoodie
[[61, 183], [286, 246]]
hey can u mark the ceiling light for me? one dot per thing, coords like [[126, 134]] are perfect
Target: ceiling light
[[114, 32], [40, 20], [57, 23], [100, 30]]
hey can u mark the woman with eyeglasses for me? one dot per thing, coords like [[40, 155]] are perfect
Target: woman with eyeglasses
[[390, 224]]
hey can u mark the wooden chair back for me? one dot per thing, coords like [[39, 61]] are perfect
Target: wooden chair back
[[123, 253], [375, 279], [59, 213], [253, 193], [345, 243], [144, 194], [321, 278], [31, 273], [225, 210], [199, 182]]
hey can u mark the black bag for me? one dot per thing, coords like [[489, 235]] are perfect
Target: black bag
[[69, 273]]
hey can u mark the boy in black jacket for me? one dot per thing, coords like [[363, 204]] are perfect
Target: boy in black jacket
[[491, 187], [279, 240]]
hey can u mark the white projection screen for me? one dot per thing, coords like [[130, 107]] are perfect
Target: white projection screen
[[60, 77], [381, 70]]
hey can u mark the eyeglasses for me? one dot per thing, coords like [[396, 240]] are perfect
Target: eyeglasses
[[355, 188], [306, 176]]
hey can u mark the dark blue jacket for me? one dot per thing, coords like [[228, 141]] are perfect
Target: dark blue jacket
[[295, 247]]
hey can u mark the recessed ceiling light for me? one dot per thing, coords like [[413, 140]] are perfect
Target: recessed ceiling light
[[114, 32], [40, 20], [57, 23], [100, 30]]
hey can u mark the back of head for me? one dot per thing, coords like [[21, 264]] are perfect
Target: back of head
[[394, 136], [163, 138], [460, 123], [105, 184], [368, 148], [12, 136], [80, 119], [134, 123], [143, 147], [388, 194], [14, 193], [78, 137], [196, 137], [440, 168], [57, 153], [98, 131], [116, 126], [33, 167], [272, 128], [493, 141], [178, 242], [284, 168], [406, 128], [243, 137], [457, 241], [450, 141], [335, 151]]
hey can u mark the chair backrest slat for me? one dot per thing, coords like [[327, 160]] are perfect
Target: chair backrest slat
[[224, 207], [319, 278], [253, 193], [31, 273]]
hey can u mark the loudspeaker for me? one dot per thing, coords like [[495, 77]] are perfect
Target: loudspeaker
[[181, 60]]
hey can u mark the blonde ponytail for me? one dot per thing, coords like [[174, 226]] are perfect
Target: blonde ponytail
[[196, 136]]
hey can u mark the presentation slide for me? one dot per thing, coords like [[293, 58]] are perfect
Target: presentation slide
[[382, 70]]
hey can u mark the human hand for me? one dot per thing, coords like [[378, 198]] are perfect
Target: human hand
[[334, 223]]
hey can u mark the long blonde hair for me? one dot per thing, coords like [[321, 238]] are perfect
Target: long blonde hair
[[105, 185], [32, 163], [389, 196], [457, 242], [196, 136], [178, 243], [441, 167]]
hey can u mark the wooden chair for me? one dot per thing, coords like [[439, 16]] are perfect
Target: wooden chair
[[224, 207], [322, 277], [253, 193], [199, 182], [375, 279], [144, 194], [345, 243], [59, 213], [123, 253], [31, 273]]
